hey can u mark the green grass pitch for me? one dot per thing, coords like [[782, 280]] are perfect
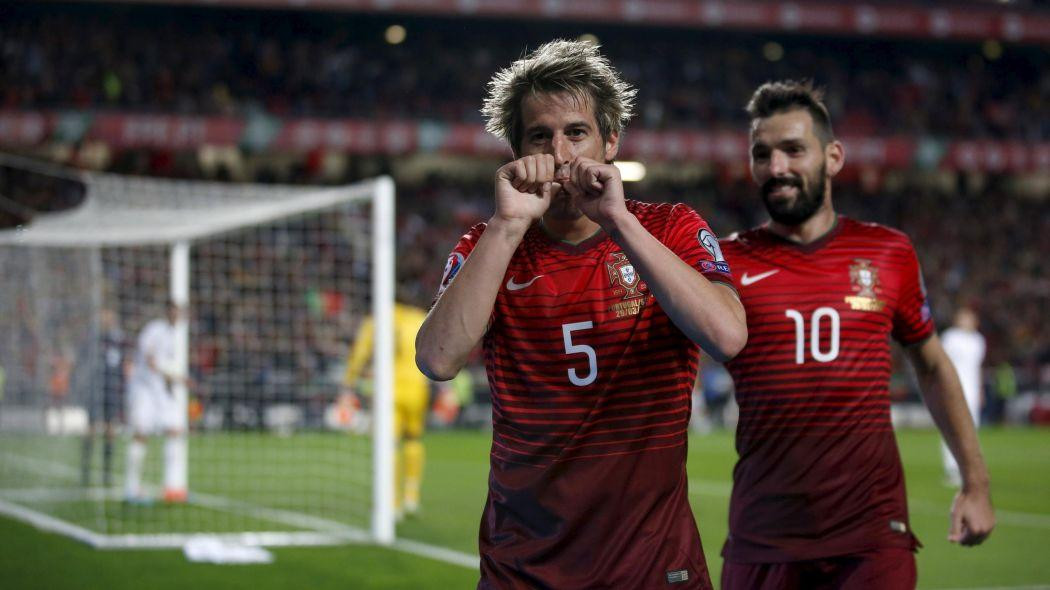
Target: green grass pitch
[[1016, 556]]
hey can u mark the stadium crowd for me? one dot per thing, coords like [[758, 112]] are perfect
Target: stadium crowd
[[980, 244], [137, 58]]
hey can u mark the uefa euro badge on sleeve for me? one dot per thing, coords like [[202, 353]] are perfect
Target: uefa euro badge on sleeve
[[864, 278]]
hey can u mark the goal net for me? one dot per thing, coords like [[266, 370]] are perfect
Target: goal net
[[274, 281]]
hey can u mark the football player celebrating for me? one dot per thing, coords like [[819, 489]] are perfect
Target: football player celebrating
[[818, 495], [590, 307]]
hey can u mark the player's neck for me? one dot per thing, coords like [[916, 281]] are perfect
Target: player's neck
[[571, 231], [810, 230]]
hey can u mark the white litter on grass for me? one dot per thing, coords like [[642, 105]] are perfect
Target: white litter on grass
[[210, 549]]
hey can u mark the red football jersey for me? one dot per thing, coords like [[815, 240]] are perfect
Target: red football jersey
[[819, 472], [591, 387]]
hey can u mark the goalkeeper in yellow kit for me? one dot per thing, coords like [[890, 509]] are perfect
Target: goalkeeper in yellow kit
[[411, 395]]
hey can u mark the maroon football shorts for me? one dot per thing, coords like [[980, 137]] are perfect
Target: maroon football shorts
[[879, 569]]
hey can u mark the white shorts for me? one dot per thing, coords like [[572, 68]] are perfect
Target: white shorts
[[152, 411]]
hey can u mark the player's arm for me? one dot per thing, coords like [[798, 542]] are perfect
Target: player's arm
[[709, 313], [461, 314], [972, 517], [359, 353]]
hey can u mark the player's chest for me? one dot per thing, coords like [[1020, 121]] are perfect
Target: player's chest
[[863, 284], [601, 284]]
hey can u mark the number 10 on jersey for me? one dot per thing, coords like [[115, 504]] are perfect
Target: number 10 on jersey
[[815, 322]]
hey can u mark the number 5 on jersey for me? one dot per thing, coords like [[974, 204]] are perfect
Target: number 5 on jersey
[[570, 348], [814, 334]]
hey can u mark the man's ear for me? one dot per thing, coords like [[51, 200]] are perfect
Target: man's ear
[[834, 157], [612, 146]]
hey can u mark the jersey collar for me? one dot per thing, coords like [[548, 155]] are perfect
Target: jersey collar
[[816, 244]]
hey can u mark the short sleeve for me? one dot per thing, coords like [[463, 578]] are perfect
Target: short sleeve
[[690, 238], [912, 320], [458, 255]]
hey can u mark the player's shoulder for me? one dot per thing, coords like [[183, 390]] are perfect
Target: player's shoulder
[[743, 239], [644, 209], [468, 240], [870, 230]]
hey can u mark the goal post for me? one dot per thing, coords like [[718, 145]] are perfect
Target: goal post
[[276, 280]]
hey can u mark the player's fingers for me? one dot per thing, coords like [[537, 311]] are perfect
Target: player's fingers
[[516, 174], [546, 190], [532, 179], [577, 172], [587, 177], [957, 528], [562, 172], [595, 180], [546, 168], [570, 188], [977, 530]]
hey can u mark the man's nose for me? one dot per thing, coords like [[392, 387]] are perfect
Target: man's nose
[[562, 149], [778, 163]]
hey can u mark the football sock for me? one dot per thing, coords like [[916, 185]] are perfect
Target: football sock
[[175, 463], [413, 458], [133, 481]]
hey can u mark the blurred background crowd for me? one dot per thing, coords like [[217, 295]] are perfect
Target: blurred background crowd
[[982, 232]]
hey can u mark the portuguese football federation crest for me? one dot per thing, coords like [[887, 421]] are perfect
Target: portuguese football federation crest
[[625, 281], [864, 278]]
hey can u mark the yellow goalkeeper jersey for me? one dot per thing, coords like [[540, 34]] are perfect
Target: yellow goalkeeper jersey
[[410, 386]]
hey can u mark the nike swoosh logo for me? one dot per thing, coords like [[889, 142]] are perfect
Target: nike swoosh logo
[[512, 286], [747, 280]]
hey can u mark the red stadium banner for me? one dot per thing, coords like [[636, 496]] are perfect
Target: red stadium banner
[[19, 128], [394, 138], [164, 131], [997, 156], [840, 18], [350, 136]]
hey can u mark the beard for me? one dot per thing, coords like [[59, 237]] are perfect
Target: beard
[[803, 206]]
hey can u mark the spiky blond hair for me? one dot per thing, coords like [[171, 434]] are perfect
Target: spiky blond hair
[[575, 67]]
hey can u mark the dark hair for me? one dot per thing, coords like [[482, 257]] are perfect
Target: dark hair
[[782, 96], [575, 67]]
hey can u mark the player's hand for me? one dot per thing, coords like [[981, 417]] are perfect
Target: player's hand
[[972, 518], [597, 189], [524, 188]]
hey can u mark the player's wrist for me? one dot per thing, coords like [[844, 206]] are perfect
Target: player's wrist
[[618, 223], [512, 228], [976, 484]]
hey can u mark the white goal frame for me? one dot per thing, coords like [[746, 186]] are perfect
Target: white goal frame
[[95, 226]]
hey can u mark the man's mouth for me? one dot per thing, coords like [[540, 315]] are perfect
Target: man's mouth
[[783, 189]]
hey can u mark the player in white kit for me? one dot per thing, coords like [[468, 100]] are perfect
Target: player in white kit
[[153, 408], [965, 347]]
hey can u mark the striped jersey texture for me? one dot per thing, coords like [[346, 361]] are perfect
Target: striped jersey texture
[[819, 473], [590, 385]]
